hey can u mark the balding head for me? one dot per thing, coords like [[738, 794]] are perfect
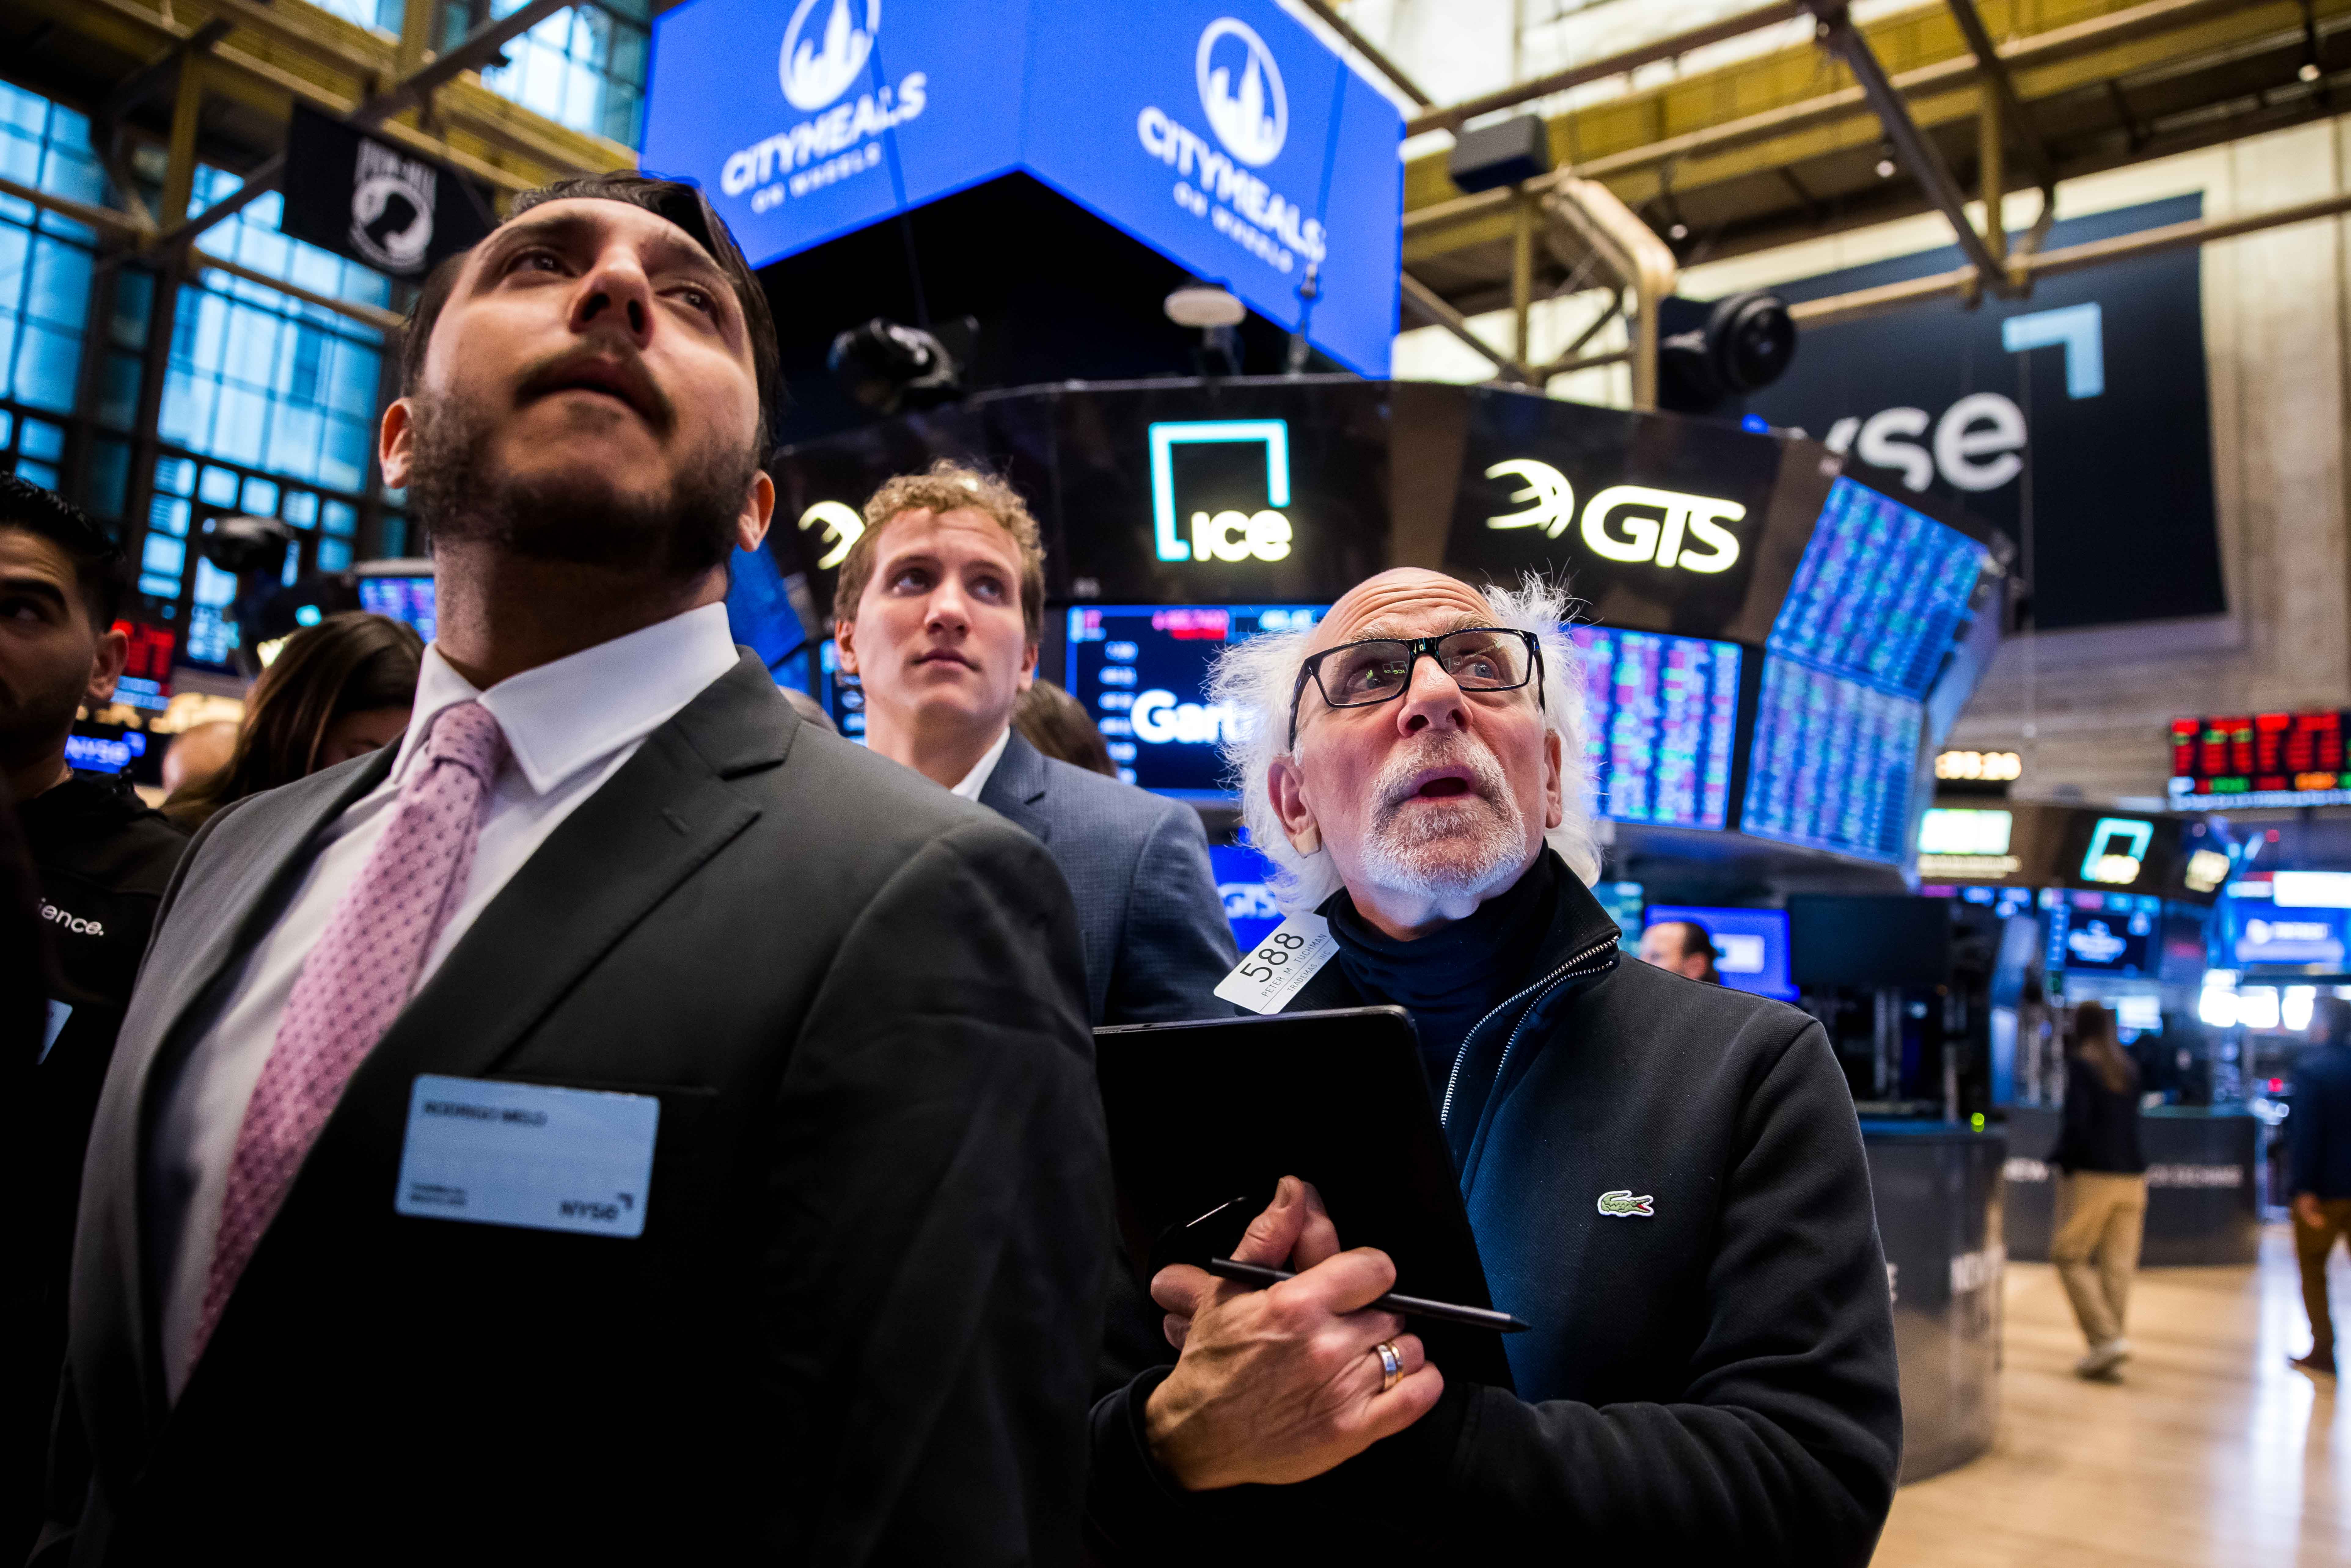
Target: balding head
[[1426, 802]]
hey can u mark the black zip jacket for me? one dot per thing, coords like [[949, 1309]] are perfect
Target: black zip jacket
[[1667, 1181], [2101, 1127]]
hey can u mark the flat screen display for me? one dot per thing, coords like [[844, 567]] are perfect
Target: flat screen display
[[2260, 759], [1870, 939], [1833, 762], [1623, 901], [1661, 715], [1250, 908], [1142, 670], [404, 599], [1752, 945], [2108, 934], [1879, 592], [842, 694]]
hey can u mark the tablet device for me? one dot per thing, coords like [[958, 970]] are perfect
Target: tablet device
[[1203, 1113]]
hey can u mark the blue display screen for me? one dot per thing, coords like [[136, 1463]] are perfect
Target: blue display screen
[[2258, 932], [1142, 672], [1752, 945], [1879, 593], [1241, 882], [1222, 133], [1661, 714], [2104, 932], [842, 694], [404, 599], [1833, 762]]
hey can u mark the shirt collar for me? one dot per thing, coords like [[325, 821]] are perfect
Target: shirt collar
[[985, 769], [569, 715]]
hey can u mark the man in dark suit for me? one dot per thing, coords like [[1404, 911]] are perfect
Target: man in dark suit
[[621, 1123], [939, 610]]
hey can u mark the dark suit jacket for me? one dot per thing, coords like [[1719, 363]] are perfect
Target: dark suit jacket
[[860, 1325], [1156, 936]]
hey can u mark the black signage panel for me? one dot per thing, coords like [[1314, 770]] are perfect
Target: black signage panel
[[375, 203], [1656, 522], [1292, 491], [2089, 398]]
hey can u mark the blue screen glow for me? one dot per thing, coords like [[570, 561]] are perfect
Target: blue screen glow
[[1833, 762], [404, 599], [1142, 670], [1879, 592], [1219, 132], [1752, 945], [1660, 716]]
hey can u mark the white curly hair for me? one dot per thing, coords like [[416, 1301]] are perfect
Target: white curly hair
[[1252, 682]]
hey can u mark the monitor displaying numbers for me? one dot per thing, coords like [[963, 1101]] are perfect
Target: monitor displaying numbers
[[1660, 714], [1142, 672]]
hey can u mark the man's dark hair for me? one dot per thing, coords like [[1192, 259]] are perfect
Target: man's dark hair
[[97, 560], [675, 200], [2334, 1017], [1697, 939]]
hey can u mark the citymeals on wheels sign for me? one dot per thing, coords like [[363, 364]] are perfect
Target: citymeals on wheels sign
[[1219, 132]]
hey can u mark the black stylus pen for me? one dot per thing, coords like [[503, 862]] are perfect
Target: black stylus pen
[[1408, 1306]]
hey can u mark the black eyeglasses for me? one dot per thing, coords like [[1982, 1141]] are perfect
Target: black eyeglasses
[[1379, 669]]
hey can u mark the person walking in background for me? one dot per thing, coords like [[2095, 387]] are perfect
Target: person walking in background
[[2318, 1166], [2105, 1189], [337, 690]]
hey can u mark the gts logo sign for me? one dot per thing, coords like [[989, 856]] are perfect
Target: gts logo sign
[[1629, 523]]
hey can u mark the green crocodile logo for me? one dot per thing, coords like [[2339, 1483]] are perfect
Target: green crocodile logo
[[1621, 1205]]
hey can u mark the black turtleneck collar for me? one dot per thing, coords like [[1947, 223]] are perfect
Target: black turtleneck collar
[[1456, 975]]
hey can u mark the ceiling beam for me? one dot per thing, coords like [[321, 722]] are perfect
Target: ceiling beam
[[412, 91], [1370, 51], [1454, 116]]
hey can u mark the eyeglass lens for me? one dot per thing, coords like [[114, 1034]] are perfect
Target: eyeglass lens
[[1373, 672]]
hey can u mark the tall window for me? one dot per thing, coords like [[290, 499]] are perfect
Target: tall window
[[45, 277], [268, 408], [585, 68]]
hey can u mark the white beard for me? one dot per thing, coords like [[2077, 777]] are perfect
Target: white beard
[[1461, 849]]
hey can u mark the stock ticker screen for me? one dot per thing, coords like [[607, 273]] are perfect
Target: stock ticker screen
[[1142, 670], [1661, 714], [2260, 759], [1833, 762], [1877, 600], [1879, 593], [404, 599]]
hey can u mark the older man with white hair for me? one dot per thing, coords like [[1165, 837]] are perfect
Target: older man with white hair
[[1666, 1178]]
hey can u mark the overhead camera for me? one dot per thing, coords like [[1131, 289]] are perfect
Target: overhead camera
[[1710, 354], [242, 545], [890, 368]]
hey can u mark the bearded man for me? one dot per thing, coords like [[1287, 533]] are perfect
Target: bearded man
[[1666, 1178], [621, 1122]]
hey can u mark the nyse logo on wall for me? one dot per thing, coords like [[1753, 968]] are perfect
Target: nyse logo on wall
[[2082, 409]]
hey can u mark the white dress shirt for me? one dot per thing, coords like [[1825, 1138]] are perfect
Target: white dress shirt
[[569, 725], [985, 769]]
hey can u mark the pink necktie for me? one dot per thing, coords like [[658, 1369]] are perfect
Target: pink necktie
[[355, 982]]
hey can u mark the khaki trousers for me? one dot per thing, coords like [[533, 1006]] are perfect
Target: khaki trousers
[[2104, 1214], [2310, 1250]]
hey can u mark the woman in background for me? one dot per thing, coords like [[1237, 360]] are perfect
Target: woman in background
[[1058, 724], [336, 691], [2103, 1195]]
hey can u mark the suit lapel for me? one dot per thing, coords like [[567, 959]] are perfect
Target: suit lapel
[[656, 821], [185, 964], [1017, 787]]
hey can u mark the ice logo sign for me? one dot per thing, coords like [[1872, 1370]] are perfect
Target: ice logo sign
[[1251, 115], [1230, 535], [816, 71], [2117, 846]]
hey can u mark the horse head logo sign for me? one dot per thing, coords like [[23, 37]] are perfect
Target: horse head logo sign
[[816, 71], [1250, 118]]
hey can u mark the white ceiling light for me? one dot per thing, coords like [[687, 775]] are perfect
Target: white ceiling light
[[1205, 304]]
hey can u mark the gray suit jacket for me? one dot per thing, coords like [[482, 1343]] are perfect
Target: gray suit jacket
[[859, 1325], [1156, 936]]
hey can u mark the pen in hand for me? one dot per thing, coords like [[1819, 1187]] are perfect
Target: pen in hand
[[1406, 1306]]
